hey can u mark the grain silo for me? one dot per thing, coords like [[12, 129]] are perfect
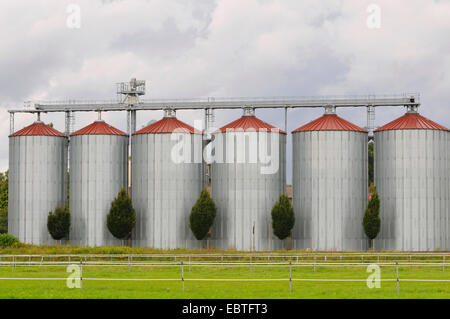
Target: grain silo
[[166, 182], [330, 177], [248, 176], [37, 181], [412, 168], [98, 171]]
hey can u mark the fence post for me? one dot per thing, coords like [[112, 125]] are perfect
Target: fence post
[[81, 274], [398, 281], [182, 274], [290, 276]]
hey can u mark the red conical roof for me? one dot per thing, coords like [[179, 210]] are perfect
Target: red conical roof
[[248, 123], [38, 128], [329, 122], [411, 121], [168, 125], [98, 128]]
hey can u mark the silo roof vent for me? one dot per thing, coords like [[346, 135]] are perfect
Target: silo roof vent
[[249, 111], [329, 122], [168, 125], [412, 109], [38, 128], [170, 113], [248, 123], [411, 121], [330, 109], [99, 128]]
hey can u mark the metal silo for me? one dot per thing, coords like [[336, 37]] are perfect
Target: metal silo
[[166, 182], [248, 176], [37, 181], [98, 171], [412, 168], [330, 177]]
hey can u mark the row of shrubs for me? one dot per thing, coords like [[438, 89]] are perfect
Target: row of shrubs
[[122, 218]]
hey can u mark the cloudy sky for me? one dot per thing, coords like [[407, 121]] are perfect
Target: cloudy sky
[[223, 48]]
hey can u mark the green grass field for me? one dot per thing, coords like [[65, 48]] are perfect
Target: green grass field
[[214, 289], [218, 289]]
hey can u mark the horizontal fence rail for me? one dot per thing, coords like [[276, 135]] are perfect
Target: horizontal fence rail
[[229, 259], [310, 255], [208, 264], [232, 279]]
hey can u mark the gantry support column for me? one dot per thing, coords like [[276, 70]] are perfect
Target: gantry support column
[[370, 120], [131, 128], [285, 119], [11, 123], [206, 139]]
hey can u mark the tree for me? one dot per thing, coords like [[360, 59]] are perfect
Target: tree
[[283, 218], [371, 220], [372, 188], [58, 223], [371, 169], [3, 220], [122, 216], [202, 215], [67, 187], [4, 180]]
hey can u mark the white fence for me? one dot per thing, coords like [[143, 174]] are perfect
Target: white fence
[[231, 260]]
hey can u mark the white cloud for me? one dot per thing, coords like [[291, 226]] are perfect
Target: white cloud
[[223, 48]]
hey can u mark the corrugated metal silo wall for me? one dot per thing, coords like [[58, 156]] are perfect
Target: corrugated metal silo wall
[[412, 179], [163, 191], [37, 185], [98, 171], [330, 178], [447, 234], [245, 197]]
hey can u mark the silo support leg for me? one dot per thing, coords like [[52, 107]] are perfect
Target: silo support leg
[[11, 123]]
